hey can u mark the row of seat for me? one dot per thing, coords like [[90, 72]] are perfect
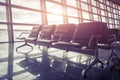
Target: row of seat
[[84, 38]]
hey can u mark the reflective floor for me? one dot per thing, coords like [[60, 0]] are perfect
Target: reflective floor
[[57, 66]]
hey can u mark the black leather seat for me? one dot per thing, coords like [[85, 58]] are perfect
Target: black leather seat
[[31, 39], [45, 37], [63, 34]]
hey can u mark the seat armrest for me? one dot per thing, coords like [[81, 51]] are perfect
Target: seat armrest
[[94, 40], [112, 37], [21, 35]]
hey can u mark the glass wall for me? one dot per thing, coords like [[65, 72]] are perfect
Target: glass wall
[[23, 14]]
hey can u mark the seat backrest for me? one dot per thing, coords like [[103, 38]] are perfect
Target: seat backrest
[[85, 31], [47, 32], [118, 34], [35, 31], [114, 32], [64, 32], [105, 34]]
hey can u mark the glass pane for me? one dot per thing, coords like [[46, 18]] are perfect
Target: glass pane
[[54, 19], [107, 2], [102, 12], [72, 12], [116, 22], [85, 15], [93, 2], [58, 0], [4, 64], [108, 8], [54, 8], [19, 29], [102, 6], [119, 7], [109, 14], [114, 10], [103, 19], [24, 16], [2, 0], [84, 6], [117, 17], [116, 26], [95, 17], [86, 21], [110, 20], [71, 2], [84, 0], [111, 26], [73, 20], [27, 3], [114, 16], [94, 9], [3, 14], [3, 33], [101, 0]]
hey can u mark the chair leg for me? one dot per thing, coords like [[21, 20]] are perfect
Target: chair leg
[[96, 60], [111, 55], [23, 46], [20, 47], [102, 64], [90, 66]]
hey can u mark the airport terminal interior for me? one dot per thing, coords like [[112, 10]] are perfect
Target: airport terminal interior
[[59, 39]]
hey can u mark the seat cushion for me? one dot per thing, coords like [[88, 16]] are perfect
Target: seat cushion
[[66, 44], [44, 42], [30, 40]]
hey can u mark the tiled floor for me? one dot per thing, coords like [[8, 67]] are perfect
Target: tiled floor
[[14, 66]]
